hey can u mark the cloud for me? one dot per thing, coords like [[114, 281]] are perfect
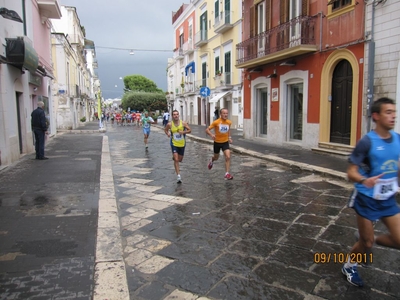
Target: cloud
[[128, 24]]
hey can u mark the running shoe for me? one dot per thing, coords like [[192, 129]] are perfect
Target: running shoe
[[228, 177], [179, 179], [352, 275], [210, 164]]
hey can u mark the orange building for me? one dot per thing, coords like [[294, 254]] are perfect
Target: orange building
[[303, 72]]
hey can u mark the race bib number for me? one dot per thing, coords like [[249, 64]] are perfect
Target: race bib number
[[178, 136], [385, 188], [146, 125], [223, 128]]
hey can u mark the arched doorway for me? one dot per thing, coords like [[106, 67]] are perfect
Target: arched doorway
[[341, 105]]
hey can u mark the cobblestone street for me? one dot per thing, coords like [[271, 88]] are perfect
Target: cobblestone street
[[254, 237], [105, 219]]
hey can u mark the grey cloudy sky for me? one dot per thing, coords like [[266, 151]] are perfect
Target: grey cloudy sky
[[128, 24]]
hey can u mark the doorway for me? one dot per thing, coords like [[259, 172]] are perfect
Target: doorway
[[19, 109], [262, 108], [295, 111], [341, 105]]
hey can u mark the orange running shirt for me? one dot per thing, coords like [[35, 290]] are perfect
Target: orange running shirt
[[221, 128]]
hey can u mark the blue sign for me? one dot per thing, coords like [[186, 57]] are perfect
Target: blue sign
[[205, 91]]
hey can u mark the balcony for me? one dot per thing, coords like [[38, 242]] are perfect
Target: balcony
[[200, 38], [178, 53], [223, 80], [188, 47], [76, 39], [223, 22], [287, 40], [49, 9]]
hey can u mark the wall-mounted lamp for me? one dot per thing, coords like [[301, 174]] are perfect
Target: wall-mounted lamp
[[10, 14], [288, 63], [256, 70], [131, 53], [273, 75]]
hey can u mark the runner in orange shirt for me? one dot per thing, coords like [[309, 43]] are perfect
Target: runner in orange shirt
[[222, 138]]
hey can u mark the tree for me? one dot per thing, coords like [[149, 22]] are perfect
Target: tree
[[140, 83], [144, 101]]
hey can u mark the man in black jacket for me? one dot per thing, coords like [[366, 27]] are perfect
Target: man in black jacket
[[39, 128]]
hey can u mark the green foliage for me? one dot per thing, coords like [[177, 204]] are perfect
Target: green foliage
[[139, 83], [83, 119], [144, 101]]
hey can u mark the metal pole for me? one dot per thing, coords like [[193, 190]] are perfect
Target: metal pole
[[371, 69]]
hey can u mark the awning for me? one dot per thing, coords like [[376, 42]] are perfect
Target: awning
[[217, 97], [189, 65], [21, 54]]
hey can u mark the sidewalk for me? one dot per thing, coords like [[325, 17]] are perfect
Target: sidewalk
[[321, 164]]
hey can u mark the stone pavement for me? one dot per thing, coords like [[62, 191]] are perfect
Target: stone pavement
[[102, 208]]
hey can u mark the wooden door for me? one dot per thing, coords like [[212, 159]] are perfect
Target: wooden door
[[342, 86]]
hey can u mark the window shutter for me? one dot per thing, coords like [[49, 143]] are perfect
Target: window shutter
[[304, 7], [253, 23], [268, 15], [284, 11]]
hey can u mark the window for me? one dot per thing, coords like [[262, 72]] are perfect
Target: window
[[217, 70], [339, 7], [338, 4], [228, 75], [181, 40]]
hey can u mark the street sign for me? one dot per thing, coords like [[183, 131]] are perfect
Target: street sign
[[205, 91]]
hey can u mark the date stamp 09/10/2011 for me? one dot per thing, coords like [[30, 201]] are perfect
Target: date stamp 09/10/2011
[[341, 257]]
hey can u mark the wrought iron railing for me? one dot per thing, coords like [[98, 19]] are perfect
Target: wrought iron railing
[[298, 31]]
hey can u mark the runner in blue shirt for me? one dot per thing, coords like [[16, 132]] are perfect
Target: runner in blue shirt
[[146, 122], [374, 167]]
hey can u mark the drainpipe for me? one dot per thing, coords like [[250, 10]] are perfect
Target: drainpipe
[[24, 16], [321, 15], [371, 68]]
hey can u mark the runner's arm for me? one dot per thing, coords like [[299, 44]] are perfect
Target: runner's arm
[[186, 128], [167, 129]]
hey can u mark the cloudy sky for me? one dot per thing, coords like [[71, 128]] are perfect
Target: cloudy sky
[[128, 24]]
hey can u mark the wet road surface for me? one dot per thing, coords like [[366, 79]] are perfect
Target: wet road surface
[[255, 237], [263, 235]]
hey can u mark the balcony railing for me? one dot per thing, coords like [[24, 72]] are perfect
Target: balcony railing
[[188, 47], [297, 32], [225, 79], [178, 53], [223, 22], [200, 38]]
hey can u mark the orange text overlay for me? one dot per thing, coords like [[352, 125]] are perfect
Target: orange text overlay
[[341, 258]]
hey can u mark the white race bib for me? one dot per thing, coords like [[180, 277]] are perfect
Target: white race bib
[[223, 128], [146, 125], [385, 188], [178, 136]]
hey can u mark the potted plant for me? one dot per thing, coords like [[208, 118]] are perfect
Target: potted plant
[[218, 73]]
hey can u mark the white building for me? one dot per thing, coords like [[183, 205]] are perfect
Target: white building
[[76, 81], [382, 28]]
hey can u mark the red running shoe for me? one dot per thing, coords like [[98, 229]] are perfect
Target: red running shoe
[[228, 177], [210, 164]]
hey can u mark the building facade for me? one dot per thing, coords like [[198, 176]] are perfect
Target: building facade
[[74, 89], [26, 73], [303, 64], [382, 58], [204, 80]]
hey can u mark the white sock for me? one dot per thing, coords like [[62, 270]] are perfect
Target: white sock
[[348, 264]]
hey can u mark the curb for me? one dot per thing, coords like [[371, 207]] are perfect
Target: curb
[[286, 162]]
